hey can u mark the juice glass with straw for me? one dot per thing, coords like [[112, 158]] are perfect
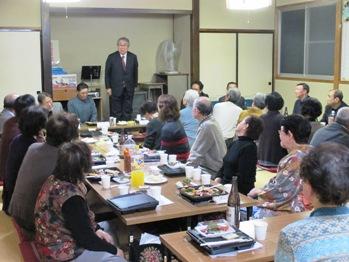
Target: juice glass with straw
[[137, 178]]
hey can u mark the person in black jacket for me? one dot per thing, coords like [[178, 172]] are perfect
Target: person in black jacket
[[270, 151], [334, 103], [241, 159], [153, 129], [121, 78]]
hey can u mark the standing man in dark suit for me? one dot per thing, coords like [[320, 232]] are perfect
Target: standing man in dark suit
[[121, 78]]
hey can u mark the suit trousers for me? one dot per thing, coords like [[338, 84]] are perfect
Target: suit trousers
[[121, 105]]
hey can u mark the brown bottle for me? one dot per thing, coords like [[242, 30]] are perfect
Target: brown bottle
[[286, 111], [127, 161], [233, 212]]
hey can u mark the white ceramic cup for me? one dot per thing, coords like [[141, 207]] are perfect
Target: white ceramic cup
[[227, 188], [205, 179], [105, 181], [163, 158], [189, 172], [172, 159], [123, 189], [260, 228], [115, 138], [155, 192], [138, 117], [197, 174], [248, 228]]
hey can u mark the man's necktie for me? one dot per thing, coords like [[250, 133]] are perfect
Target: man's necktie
[[123, 62]]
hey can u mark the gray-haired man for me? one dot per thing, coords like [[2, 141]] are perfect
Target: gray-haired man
[[209, 147], [337, 132], [121, 78]]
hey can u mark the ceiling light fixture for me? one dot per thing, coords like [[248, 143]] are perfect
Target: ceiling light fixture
[[247, 4], [61, 1]]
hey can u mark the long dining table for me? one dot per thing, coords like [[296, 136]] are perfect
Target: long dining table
[[180, 208], [179, 244]]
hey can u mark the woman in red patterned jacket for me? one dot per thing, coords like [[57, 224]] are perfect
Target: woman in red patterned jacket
[[65, 226]]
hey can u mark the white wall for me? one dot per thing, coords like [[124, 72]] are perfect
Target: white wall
[[88, 41], [20, 13], [20, 66], [217, 62], [214, 14]]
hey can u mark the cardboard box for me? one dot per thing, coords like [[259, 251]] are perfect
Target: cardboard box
[[64, 87]]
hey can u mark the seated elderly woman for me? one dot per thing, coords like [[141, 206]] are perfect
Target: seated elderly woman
[[10, 129], [281, 195], [187, 119], [65, 226], [60, 128], [173, 137], [31, 122], [312, 109], [324, 235], [241, 159], [153, 129], [256, 109]]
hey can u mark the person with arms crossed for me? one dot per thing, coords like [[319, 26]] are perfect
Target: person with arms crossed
[[82, 105], [121, 78]]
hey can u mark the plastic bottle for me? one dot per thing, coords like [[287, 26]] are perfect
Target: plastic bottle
[[127, 160], [130, 144], [332, 116], [233, 212]]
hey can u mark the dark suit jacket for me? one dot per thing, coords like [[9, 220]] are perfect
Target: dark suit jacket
[[269, 148], [115, 76]]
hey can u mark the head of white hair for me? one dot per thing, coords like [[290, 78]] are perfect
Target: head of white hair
[[189, 97]]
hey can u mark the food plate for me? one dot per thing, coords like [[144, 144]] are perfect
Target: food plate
[[121, 180], [122, 123], [155, 179], [214, 228], [201, 193], [176, 165]]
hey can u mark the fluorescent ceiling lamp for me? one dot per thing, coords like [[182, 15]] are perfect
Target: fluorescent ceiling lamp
[[61, 1], [247, 4]]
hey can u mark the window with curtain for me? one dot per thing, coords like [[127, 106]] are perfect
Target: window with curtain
[[307, 41]]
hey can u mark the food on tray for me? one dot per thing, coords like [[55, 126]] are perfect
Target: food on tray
[[214, 228], [186, 181], [201, 191]]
